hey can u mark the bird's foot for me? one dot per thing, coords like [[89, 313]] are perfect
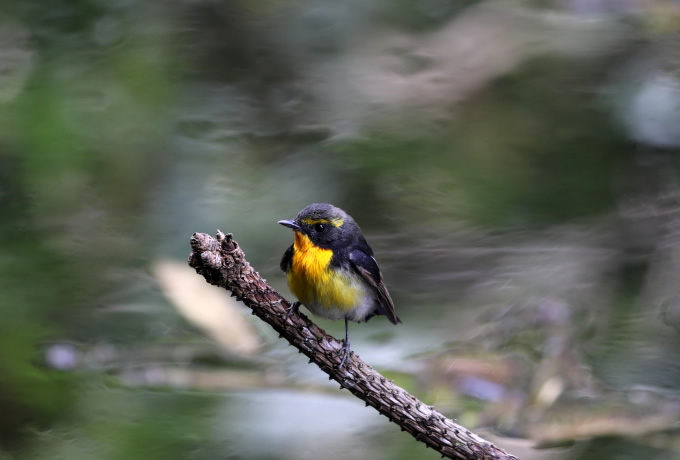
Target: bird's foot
[[345, 353], [293, 308]]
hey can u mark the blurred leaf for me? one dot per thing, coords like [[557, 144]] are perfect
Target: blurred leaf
[[207, 307]]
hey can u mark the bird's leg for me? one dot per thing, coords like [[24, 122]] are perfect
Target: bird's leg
[[345, 347], [293, 308]]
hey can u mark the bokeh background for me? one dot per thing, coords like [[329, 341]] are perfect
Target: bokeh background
[[513, 163]]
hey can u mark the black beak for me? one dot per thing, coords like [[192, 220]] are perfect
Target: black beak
[[289, 224]]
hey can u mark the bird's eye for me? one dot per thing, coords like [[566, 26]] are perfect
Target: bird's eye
[[319, 227]]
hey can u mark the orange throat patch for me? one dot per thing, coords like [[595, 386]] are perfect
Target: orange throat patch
[[314, 283]]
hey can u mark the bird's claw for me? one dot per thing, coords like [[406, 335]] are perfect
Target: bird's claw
[[293, 308], [345, 354]]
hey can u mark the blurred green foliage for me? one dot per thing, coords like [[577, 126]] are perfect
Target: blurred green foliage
[[127, 125]]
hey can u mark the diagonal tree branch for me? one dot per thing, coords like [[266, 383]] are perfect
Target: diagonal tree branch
[[222, 262]]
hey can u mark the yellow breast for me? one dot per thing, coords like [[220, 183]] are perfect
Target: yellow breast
[[312, 281]]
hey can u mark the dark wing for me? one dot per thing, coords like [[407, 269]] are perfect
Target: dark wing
[[368, 269], [287, 259]]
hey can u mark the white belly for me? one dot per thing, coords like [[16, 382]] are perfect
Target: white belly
[[365, 308]]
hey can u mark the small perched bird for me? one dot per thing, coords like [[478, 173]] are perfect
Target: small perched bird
[[330, 268]]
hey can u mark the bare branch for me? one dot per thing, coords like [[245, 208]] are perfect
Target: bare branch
[[223, 263]]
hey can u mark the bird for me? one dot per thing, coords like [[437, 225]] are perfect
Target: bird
[[331, 269]]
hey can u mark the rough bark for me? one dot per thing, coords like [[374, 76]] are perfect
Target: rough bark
[[222, 262]]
